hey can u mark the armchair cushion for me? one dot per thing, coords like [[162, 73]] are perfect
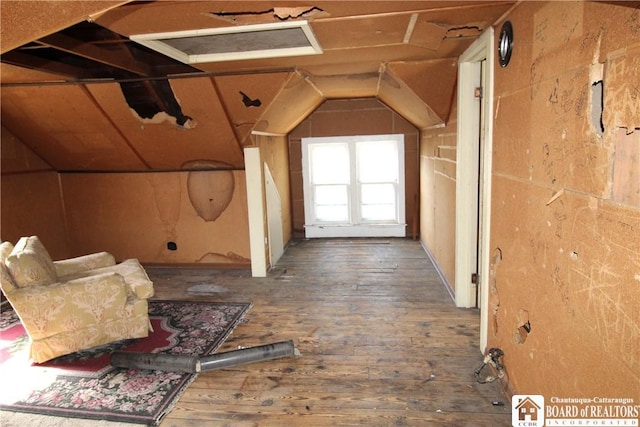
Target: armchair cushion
[[83, 263], [30, 264], [136, 278]]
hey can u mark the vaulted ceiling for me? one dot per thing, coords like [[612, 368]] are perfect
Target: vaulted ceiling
[[81, 94]]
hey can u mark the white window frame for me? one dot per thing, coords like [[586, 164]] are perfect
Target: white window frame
[[354, 227]]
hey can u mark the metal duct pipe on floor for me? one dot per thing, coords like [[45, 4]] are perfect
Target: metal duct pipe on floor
[[195, 364]]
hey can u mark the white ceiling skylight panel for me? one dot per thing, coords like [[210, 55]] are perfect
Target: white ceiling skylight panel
[[291, 38]]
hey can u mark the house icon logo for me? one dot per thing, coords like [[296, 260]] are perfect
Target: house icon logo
[[527, 410]]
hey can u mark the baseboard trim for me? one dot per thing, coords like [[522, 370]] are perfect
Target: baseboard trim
[[446, 283]]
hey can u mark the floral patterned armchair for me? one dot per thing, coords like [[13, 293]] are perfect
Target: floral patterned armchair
[[73, 304]]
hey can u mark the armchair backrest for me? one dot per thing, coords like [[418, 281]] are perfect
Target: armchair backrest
[[30, 264], [6, 281]]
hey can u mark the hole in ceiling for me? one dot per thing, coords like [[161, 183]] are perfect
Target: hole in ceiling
[[248, 102], [89, 51], [150, 97]]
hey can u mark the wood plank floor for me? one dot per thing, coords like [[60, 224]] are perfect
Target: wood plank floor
[[382, 342]]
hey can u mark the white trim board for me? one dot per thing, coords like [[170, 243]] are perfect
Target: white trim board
[[467, 174]]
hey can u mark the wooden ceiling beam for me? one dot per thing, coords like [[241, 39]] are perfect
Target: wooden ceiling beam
[[95, 53], [34, 62]]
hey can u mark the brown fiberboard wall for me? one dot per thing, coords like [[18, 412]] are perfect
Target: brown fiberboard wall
[[438, 196], [565, 253], [274, 152], [138, 215], [31, 198]]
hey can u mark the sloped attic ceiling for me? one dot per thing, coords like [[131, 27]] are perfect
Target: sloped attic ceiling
[[83, 96]]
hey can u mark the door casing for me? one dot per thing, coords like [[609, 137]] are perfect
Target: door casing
[[472, 238]]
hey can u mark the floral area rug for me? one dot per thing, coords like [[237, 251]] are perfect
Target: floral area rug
[[85, 385]]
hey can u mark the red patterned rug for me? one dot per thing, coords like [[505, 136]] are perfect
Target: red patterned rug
[[85, 385]]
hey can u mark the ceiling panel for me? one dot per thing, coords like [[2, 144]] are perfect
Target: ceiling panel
[[162, 143], [247, 97], [432, 81], [66, 128], [25, 21], [402, 52], [361, 32]]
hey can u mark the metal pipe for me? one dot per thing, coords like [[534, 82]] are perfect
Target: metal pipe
[[155, 361], [195, 364], [248, 355]]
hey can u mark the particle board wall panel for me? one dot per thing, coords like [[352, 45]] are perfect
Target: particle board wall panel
[[360, 32], [621, 107], [427, 201], [44, 18], [443, 248], [622, 27], [13, 74], [563, 139], [154, 17], [568, 287], [514, 149], [135, 215], [66, 128], [428, 35], [369, 121], [474, 14], [274, 152], [400, 97], [434, 82], [257, 87], [294, 103], [163, 144], [213, 136], [347, 86], [17, 157], [561, 252], [32, 205], [626, 168], [437, 190]]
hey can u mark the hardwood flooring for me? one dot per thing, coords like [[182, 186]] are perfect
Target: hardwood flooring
[[382, 343]]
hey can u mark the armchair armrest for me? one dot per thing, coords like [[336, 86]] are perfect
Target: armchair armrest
[[79, 264], [50, 309]]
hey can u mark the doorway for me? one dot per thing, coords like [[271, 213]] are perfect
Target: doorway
[[473, 177]]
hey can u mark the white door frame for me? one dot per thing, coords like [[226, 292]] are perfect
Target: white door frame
[[467, 177], [255, 207]]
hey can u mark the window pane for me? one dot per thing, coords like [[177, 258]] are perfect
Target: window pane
[[378, 202], [329, 163], [331, 203], [378, 212], [377, 161], [331, 195], [377, 194], [332, 213]]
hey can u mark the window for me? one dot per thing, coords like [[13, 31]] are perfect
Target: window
[[354, 186]]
